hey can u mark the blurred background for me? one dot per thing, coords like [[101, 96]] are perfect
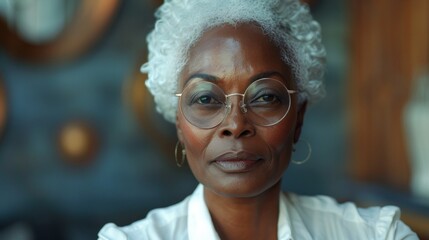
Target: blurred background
[[81, 145]]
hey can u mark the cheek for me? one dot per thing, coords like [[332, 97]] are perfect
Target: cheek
[[280, 139], [194, 139]]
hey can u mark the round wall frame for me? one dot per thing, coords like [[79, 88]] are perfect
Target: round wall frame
[[86, 26]]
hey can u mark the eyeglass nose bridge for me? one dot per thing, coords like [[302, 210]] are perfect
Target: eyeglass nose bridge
[[228, 103]]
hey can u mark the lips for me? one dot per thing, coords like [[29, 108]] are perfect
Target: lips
[[237, 162]]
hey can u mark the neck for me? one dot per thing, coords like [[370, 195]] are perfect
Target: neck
[[245, 218]]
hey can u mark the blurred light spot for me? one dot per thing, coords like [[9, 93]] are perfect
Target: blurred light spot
[[78, 142]]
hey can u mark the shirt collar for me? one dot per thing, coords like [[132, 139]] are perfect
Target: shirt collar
[[283, 225], [293, 226], [200, 225]]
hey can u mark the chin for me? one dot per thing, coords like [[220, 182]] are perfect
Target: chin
[[240, 189]]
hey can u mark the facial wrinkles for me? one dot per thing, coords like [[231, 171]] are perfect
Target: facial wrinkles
[[234, 60], [218, 146], [215, 58], [231, 70]]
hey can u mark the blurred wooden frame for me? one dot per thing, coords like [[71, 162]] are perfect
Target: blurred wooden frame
[[390, 45], [389, 48], [91, 19]]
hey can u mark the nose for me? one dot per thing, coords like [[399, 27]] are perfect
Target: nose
[[236, 123]]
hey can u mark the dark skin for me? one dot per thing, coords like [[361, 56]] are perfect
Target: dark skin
[[243, 203]]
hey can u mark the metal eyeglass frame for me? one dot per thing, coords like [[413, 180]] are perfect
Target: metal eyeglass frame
[[228, 103]]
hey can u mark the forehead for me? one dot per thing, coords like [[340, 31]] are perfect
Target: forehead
[[238, 52]]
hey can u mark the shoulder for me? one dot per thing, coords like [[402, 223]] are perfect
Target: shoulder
[[324, 215], [162, 223], [328, 207]]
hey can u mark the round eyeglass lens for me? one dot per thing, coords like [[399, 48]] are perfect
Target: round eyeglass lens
[[203, 104], [266, 102]]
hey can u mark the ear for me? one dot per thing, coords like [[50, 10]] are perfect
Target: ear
[[300, 121], [179, 130]]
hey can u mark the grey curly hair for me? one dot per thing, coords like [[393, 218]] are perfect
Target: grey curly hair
[[180, 23]]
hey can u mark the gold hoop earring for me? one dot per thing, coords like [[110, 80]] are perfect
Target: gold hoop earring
[[183, 158], [308, 154]]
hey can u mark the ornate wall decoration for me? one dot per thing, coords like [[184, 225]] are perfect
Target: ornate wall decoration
[[63, 41]]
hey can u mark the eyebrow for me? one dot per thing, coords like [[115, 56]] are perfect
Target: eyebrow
[[203, 76], [212, 78], [266, 75]]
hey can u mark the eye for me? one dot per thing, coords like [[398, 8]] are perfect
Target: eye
[[206, 100], [267, 98]]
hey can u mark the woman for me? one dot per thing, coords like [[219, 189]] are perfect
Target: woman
[[235, 76]]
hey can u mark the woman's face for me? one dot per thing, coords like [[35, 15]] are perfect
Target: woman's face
[[238, 158]]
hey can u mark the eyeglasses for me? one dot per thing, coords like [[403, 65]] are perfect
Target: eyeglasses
[[205, 105]]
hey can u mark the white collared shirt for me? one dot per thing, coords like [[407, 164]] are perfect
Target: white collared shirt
[[300, 218]]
